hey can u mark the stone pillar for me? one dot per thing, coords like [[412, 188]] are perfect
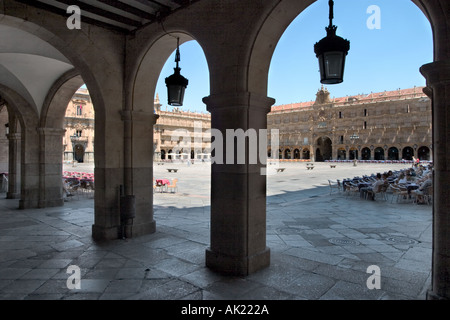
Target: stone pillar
[[13, 166], [138, 174], [29, 195], [238, 191], [438, 83], [50, 167]]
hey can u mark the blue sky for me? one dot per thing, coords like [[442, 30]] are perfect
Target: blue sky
[[388, 58]]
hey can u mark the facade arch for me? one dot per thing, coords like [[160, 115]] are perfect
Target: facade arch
[[287, 153], [378, 153], [407, 153], [424, 153], [393, 153], [365, 154]]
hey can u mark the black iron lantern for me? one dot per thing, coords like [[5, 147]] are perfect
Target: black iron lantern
[[176, 83], [331, 52]]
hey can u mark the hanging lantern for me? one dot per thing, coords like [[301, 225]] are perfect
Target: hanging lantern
[[331, 52], [176, 83]]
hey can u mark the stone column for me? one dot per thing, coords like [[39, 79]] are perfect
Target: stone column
[[13, 166], [50, 167], [438, 83], [29, 178], [138, 145], [238, 191]]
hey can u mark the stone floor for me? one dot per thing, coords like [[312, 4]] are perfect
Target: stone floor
[[321, 245]]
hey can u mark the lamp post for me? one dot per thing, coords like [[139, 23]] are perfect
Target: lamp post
[[354, 137], [176, 83], [331, 52]]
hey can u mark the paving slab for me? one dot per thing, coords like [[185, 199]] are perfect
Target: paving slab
[[321, 244]]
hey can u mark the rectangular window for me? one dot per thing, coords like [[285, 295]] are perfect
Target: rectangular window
[[340, 114], [365, 125], [365, 112], [341, 139], [78, 133], [79, 110]]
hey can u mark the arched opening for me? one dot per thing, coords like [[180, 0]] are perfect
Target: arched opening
[[323, 149], [379, 153], [306, 154], [296, 154], [423, 153], [78, 153], [407, 153], [353, 154], [287, 154], [341, 154], [365, 154], [393, 153], [79, 125], [163, 154], [4, 145]]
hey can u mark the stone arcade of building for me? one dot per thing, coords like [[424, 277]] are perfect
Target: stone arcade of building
[[120, 58], [391, 125]]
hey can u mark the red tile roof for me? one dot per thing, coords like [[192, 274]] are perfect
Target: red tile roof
[[362, 98]]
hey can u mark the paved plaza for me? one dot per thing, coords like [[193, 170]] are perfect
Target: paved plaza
[[323, 246]]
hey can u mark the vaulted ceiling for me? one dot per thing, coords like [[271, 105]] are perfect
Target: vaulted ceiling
[[30, 66], [121, 15]]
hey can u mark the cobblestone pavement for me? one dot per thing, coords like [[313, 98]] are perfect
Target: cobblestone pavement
[[323, 246]]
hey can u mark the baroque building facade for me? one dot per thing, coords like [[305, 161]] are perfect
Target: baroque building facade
[[181, 135], [385, 126], [78, 140]]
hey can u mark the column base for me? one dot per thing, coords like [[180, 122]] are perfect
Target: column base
[[137, 230], [433, 296], [101, 233], [130, 231], [237, 266]]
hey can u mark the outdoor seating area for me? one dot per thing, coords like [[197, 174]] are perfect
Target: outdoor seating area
[[412, 185], [165, 185], [76, 184]]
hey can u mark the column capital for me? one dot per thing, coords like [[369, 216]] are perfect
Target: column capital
[[239, 100], [13, 136], [436, 73]]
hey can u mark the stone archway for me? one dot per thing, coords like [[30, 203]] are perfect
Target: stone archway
[[78, 153], [393, 153], [324, 149], [407, 153], [365, 154], [423, 153]]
